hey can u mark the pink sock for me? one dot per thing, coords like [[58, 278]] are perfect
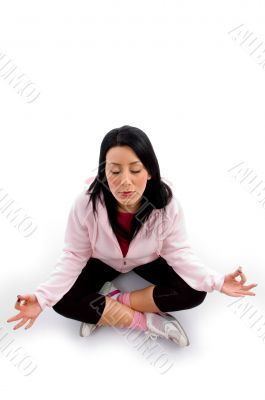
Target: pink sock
[[124, 298], [139, 321]]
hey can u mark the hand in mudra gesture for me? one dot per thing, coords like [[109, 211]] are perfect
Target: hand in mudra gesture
[[29, 308], [233, 287]]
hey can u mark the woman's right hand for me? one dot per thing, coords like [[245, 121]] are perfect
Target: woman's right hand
[[29, 308]]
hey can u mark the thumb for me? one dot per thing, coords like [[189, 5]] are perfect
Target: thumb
[[22, 298], [237, 272]]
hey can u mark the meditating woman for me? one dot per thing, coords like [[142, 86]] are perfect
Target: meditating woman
[[128, 219]]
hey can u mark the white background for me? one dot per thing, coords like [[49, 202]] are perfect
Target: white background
[[172, 69]]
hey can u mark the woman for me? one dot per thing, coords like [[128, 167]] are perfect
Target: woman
[[128, 219]]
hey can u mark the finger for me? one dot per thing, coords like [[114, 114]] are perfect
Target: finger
[[23, 296], [18, 303], [21, 301], [247, 293], [235, 294], [249, 286], [24, 320], [20, 306], [15, 318], [30, 324], [237, 272], [243, 277]]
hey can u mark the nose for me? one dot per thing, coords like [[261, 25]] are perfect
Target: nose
[[126, 180]]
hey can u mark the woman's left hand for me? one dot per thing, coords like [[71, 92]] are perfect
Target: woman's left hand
[[233, 287]]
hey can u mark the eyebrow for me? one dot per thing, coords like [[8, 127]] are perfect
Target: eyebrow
[[133, 162]]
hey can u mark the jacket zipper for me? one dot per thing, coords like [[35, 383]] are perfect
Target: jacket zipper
[[118, 245]]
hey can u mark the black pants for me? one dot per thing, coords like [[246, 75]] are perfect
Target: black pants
[[83, 302]]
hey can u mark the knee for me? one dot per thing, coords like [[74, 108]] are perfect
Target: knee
[[171, 299], [60, 307], [188, 299], [57, 308], [196, 297]]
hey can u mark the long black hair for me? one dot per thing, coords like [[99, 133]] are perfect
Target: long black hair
[[157, 193]]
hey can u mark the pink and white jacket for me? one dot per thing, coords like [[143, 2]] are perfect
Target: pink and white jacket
[[86, 237]]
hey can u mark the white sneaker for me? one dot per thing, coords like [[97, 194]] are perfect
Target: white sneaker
[[167, 326], [107, 289]]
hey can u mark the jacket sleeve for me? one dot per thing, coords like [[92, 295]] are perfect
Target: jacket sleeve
[[177, 252], [74, 256]]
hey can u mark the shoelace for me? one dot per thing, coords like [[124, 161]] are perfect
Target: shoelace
[[168, 328], [154, 336], [151, 335]]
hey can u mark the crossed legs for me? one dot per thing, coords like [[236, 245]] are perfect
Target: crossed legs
[[168, 292]]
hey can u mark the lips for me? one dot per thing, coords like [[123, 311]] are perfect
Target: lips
[[126, 194]]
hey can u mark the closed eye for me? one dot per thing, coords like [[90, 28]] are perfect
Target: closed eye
[[133, 172]]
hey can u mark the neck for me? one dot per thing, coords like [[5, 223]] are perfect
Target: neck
[[126, 210]]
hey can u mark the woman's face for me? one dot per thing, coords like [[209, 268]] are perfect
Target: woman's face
[[125, 173]]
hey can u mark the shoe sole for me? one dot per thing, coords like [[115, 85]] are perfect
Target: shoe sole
[[81, 333], [175, 322], [104, 290]]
